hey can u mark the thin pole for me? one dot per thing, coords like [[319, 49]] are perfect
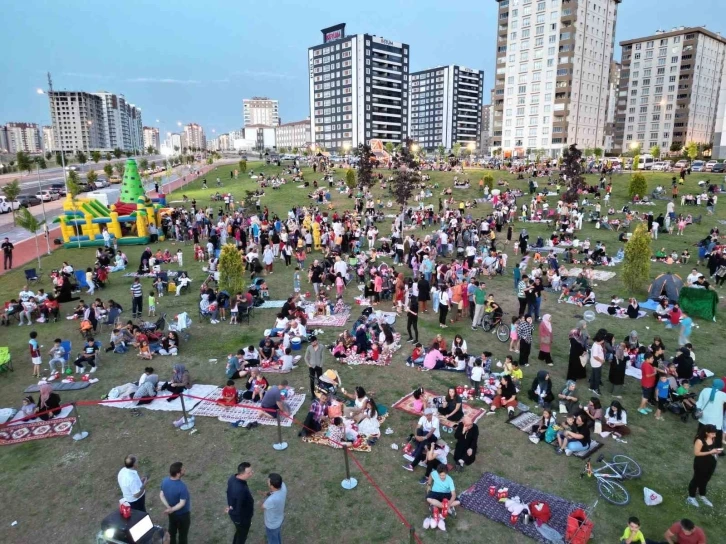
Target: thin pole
[[42, 203], [280, 444], [411, 534], [188, 423], [81, 434], [348, 483]]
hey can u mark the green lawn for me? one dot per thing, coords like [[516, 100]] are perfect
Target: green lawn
[[59, 490]]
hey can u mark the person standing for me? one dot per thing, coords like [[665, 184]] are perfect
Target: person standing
[[240, 504], [522, 292], [443, 306], [175, 497], [137, 299], [705, 452], [132, 487], [7, 247], [597, 359], [274, 508], [314, 360], [524, 332], [480, 299], [412, 323], [711, 402]]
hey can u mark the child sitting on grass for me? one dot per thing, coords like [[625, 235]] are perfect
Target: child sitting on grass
[[145, 351], [417, 356], [632, 533]]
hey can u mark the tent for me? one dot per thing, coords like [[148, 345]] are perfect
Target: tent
[[668, 285]]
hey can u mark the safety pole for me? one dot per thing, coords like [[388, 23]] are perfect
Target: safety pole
[[348, 483], [411, 534], [280, 444], [188, 423], [81, 434]]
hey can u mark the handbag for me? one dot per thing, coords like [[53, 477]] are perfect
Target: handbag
[[584, 358], [698, 413]]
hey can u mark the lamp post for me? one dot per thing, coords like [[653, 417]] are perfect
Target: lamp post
[[42, 205]]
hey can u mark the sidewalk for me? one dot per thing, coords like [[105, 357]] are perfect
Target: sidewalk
[[25, 254]]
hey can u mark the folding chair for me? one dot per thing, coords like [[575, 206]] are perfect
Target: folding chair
[[112, 318], [67, 345], [6, 362], [31, 275], [244, 311], [81, 278]]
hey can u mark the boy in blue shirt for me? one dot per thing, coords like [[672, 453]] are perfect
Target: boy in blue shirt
[[442, 496], [663, 391]]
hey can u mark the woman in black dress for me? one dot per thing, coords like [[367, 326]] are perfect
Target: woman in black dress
[[616, 376], [424, 293], [49, 403], [467, 438], [452, 409], [575, 370], [704, 464]]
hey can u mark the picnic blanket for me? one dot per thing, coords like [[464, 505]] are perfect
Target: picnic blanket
[[59, 386], [598, 275], [247, 412], [355, 359], [636, 373], [163, 405], [320, 438], [27, 431], [406, 404], [477, 499], [524, 423], [271, 304], [65, 412], [335, 320], [603, 309]]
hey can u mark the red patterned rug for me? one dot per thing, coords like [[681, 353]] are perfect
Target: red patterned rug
[[25, 432], [406, 404]]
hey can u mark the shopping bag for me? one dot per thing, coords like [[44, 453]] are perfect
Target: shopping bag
[[579, 527], [651, 497]]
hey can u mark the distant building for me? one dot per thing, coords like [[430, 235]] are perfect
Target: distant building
[[193, 137], [613, 88], [293, 135], [445, 107], [3, 139], [151, 138], [24, 137], [224, 142], [48, 142], [486, 130], [260, 110]]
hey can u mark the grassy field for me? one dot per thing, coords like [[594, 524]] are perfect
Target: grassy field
[[58, 490]]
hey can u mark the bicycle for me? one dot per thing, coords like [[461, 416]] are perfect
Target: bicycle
[[622, 467], [496, 327]]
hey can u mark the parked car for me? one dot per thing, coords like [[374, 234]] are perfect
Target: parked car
[[58, 188], [47, 196], [115, 179], [719, 168], [709, 165], [659, 166], [100, 183], [7, 205], [72, 168], [681, 164], [26, 201], [698, 166]]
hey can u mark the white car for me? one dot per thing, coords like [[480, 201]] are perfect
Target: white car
[[47, 196], [7, 205], [660, 166], [100, 183]]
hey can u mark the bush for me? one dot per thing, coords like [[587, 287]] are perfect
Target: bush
[[636, 264], [350, 178], [231, 270], [242, 166], [489, 181], [636, 160], [638, 185]]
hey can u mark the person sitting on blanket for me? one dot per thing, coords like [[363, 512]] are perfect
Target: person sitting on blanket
[[633, 310], [442, 344], [592, 412], [229, 394], [614, 308], [336, 433], [458, 362], [506, 396], [451, 408], [147, 388], [251, 356], [434, 360], [375, 353], [417, 356], [274, 400], [539, 429], [360, 403], [235, 368], [427, 432], [386, 335], [568, 396], [443, 493], [255, 386], [577, 439], [467, 441], [28, 407], [267, 352], [511, 367], [616, 419], [180, 382], [285, 360], [585, 299], [347, 339], [316, 415], [48, 403], [419, 400], [541, 390], [436, 454], [368, 424], [362, 343]]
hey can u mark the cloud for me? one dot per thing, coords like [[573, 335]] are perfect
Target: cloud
[[270, 75], [172, 81], [85, 76]]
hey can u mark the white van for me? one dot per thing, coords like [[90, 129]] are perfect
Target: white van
[[645, 162]]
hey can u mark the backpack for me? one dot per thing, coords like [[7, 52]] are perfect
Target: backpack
[[550, 434]]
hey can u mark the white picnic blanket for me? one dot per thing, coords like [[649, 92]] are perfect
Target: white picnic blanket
[[65, 412], [599, 275], [603, 309], [162, 405]]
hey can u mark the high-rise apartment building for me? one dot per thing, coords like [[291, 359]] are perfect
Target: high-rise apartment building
[[486, 130], [48, 142], [3, 139], [445, 107], [193, 137], [151, 138], [224, 142], [358, 89], [551, 78], [293, 135], [669, 89], [94, 121], [260, 110], [23, 137], [613, 92], [719, 136]]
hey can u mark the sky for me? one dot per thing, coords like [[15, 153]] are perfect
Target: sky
[[193, 61]]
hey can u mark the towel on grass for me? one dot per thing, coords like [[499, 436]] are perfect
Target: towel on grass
[[246, 412], [603, 309], [162, 405]]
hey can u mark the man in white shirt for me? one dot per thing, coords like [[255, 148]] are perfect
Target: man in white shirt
[[341, 267], [692, 278], [25, 294], [427, 432], [597, 359], [132, 487]]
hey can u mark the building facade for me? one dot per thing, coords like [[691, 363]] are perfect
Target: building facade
[[3, 139], [486, 130], [23, 137], [551, 78], [613, 92], [193, 137], [260, 110], [719, 136], [358, 89], [48, 143], [151, 138], [669, 89], [79, 121], [293, 135], [445, 107], [224, 142]]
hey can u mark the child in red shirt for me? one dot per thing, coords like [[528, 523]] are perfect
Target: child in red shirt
[[229, 394], [647, 383], [417, 356], [375, 353]]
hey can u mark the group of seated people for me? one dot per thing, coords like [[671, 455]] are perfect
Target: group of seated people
[[268, 355], [30, 306], [370, 340], [148, 387]]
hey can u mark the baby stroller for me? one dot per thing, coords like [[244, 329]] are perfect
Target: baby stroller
[[153, 331], [181, 325], [682, 405]]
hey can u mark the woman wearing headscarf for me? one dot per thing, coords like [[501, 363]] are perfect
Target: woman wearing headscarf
[[362, 343], [49, 403], [180, 381], [147, 390], [575, 368], [545, 340], [523, 241], [467, 438], [568, 396], [711, 402], [584, 336], [541, 390], [631, 341], [616, 376]]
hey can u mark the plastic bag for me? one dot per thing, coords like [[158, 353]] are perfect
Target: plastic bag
[[651, 497]]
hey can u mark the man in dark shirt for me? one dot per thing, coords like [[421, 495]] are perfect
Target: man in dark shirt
[[7, 247], [272, 401], [240, 504], [316, 275]]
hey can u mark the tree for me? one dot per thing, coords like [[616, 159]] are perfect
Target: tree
[[73, 183], [294, 150], [587, 152], [143, 164], [48, 155], [117, 153], [655, 152], [676, 147], [29, 222], [108, 169], [96, 156], [365, 166], [24, 162], [350, 178], [692, 150], [636, 264], [81, 157], [129, 154], [636, 161], [497, 151], [120, 169], [635, 149], [572, 172], [242, 166], [11, 192], [488, 181], [91, 178], [40, 161], [231, 270], [283, 150], [456, 150], [58, 158], [152, 165], [441, 150], [597, 152], [389, 147], [150, 150], [638, 185], [406, 179], [176, 149]]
